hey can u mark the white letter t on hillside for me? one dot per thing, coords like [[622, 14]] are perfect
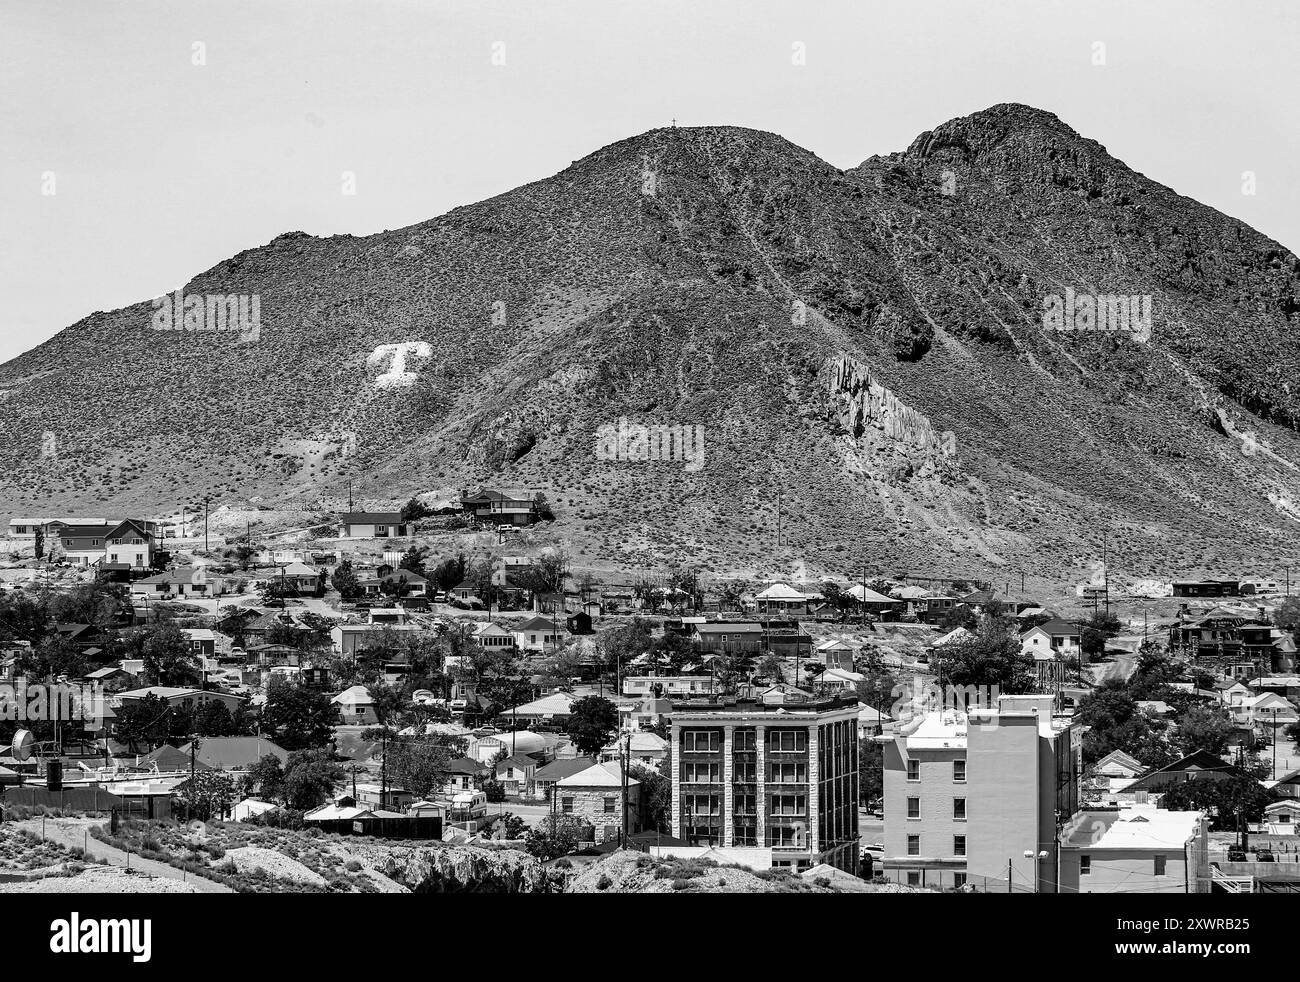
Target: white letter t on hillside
[[397, 375]]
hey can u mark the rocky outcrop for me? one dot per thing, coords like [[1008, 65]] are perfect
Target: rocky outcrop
[[461, 869]]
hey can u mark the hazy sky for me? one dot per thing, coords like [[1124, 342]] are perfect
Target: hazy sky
[[162, 167]]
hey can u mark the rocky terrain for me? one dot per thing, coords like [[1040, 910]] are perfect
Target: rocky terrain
[[869, 343]]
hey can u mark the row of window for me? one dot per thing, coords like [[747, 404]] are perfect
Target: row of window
[[778, 741], [1157, 865], [566, 806], [914, 879], [708, 805], [958, 808], [710, 772], [958, 770], [958, 845]]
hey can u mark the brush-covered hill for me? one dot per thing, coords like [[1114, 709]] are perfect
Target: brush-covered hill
[[870, 343]]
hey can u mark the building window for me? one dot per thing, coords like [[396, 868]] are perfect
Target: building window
[[787, 741], [1160, 864], [744, 740], [746, 773], [959, 845], [958, 879], [789, 804], [959, 809], [609, 806], [914, 845], [913, 807], [701, 773], [913, 879], [959, 770], [566, 806], [914, 770], [745, 804], [787, 773], [701, 741], [1085, 865]]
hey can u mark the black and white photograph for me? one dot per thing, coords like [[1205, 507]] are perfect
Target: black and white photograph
[[648, 447]]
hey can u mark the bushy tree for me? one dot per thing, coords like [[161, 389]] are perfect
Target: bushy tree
[[554, 836], [992, 657], [1205, 728], [421, 764], [206, 795], [592, 722], [297, 716], [344, 580], [310, 777]]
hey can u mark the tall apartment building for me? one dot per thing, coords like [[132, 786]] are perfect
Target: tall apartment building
[[773, 771], [977, 797]]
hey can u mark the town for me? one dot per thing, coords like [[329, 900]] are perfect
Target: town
[[305, 709]]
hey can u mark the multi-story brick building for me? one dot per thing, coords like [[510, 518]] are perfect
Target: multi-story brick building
[[774, 770], [977, 797]]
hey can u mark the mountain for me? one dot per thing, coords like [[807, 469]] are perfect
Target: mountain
[[871, 344]]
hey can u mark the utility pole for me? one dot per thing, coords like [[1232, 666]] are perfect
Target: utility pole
[[206, 499], [349, 494], [1105, 577], [778, 518]]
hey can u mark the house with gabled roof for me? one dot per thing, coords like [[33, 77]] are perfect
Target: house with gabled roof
[[597, 797], [781, 598], [1119, 764], [500, 508], [372, 525], [537, 633]]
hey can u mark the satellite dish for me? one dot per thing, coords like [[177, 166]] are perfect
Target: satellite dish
[[23, 744]]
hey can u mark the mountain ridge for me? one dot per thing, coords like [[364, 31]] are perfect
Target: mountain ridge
[[721, 276]]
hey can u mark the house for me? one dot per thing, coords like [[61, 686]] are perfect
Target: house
[[203, 641], [298, 578], [517, 743], [500, 508], [372, 525], [177, 697], [493, 637], [183, 581], [553, 708], [1283, 818], [26, 528], [515, 773], [356, 707], [579, 623], [234, 753], [1207, 588], [671, 686], [643, 749], [463, 774], [350, 639], [645, 713], [836, 653], [1198, 766], [464, 591], [167, 759], [1226, 641], [1119, 764], [91, 542], [387, 616], [874, 602], [378, 798], [546, 776], [782, 599], [1135, 848], [536, 633], [251, 808], [837, 678], [1265, 711], [595, 796], [728, 638], [1288, 785]]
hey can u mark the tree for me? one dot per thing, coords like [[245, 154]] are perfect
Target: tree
[[554, 836], [1115, 722], [1287, 616], [168, 658], [449, 572], [592, 721], [414, 510], [264, 780], [959, 615], [213, 719], [208, 794], [297, 716], [871, 770], [1202, 728], [1232, 801], [414, 560], [656, 793], [769, 667], [421, 765], [345, 582], [992, 657], [511, 826], [310, 777], [140, 722]]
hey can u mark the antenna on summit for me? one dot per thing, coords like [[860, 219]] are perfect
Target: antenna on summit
[[674, 122]]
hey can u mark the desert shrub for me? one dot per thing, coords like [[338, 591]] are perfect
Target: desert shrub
[[604, 883]]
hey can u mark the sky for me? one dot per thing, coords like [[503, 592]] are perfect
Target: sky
[[143, 142]]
